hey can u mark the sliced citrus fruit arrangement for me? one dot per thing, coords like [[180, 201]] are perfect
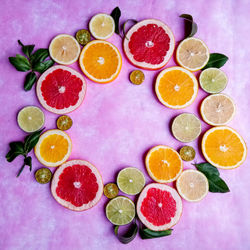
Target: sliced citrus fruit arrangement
[[64, 49], [223, 147], [100, 61], [149, 44], [192, 54], [217, 109], [43, 175], [186, 127], [176, 87], [111, 190], [83, 36], [213, 80], [130, 181], [187, 153], [30, 118], [61, 89], [192, 185], [64, 122], [163, 164], [159, 207], [77, 185], [102, 26], [120, 210], [137, 77], [53, 148]]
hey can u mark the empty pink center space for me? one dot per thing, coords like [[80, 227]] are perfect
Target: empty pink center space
[[77, 184], [60, 89], [158, 207], [149, 44]]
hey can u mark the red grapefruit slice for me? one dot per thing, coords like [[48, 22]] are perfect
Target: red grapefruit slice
[[149, 44], [159, 207], [77, 185], [61, 89]]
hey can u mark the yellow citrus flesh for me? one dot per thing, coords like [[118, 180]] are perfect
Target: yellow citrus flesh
[[223, 147]]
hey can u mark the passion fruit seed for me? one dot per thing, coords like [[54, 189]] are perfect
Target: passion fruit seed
[[137, 77], [43, 175], [83, 36], [64, 122], [187, 153], [110, 190]]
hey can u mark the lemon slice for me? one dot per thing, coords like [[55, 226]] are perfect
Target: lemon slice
[[120, 210], [102, 26], [43, 175], [111, 190], [64, 49], [192, 54], [30, 119], [137, 77], [186, 127], [130, 181], [213, 80], [187, 153]]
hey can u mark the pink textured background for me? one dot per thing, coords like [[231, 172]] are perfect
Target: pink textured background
[[116, 125]]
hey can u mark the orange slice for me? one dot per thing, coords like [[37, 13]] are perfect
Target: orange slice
[[163, 164], [223, 147], [176, 87], [53, 148], [100, 61]]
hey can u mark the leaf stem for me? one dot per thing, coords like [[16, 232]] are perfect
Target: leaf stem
[[21, 169]]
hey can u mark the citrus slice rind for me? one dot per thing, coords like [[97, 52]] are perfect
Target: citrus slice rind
[[148, 45], [186, 86], [159, 207], [223, 147]]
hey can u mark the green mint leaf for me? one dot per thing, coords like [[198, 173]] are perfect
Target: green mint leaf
[[146, 233], [30, 79], [28, 162], [129, 235], [31, 140], [39, 56], [190, 26], [216, 60], [116, 14], [21, 63], [207, 169], [27, 49], [124, 26], [43, 66], [16, 148]]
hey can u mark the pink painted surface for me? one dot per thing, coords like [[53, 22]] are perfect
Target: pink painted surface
[[116, 125]]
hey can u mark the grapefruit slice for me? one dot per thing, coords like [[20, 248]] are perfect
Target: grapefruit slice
[[61, 89], [149, 44], [77, 185], [159, 207]]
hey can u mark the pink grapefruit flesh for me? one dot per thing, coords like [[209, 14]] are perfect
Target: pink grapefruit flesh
[[159, 207], [77, 185], [61, 89], [149, 44]]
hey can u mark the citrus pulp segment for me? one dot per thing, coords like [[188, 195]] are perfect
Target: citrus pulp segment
[[100, 61], [176, 87], [53, 148], [64, 49], [163, 164], [223, 147], [77, 185], [61, 89], [159, 207], [120, 210], [149, 44]]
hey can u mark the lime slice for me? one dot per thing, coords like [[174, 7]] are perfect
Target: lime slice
[[111, 190], [83, 36], [187, 153], [137, 77], [213, 80], [30, 119], [120, 210], [43, 175], [64, 122], [130, 181]]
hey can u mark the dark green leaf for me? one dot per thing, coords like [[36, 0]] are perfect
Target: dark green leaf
[[146, 233], [190, 26], [116, 14], [39, 56], [16, 148], [216, 60], [21, 63], [207, 169], [30, 79], [129, 235], [43, 66], [124, 26], [28, 162], [27, 49], [21, 170], [31, 140]]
